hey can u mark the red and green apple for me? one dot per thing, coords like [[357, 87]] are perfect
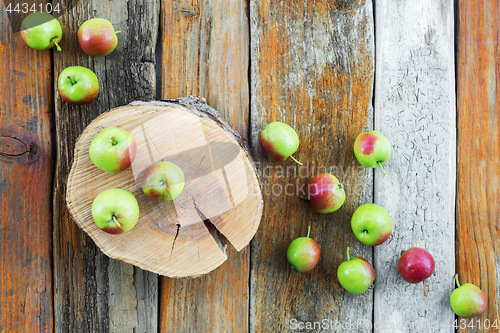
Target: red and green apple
[[303, 253], [467, 300], [356, 275], [97, 37], [41, 31], [325, 193], [279, 141], [163, 181], [372, 149], [78, 85], [113, 150], [115, 211], [371, 224]]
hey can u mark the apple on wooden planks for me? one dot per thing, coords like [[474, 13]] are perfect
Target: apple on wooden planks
[[97, 37], [115, 211], [416, 265], [78, 85], [468, 300], [279, 141], [371, 224], [303, 253], [372, 149], [41, 31], [112, 150], [325, 193], [356, 275]]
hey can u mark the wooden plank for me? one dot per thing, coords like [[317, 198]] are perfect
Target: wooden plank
[[94, 293], [205, 53], [415, 110], [312, 68], [26, 174], [478, 174]]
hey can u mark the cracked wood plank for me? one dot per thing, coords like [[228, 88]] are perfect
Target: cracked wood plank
[[205, 53], [26, 174], [478, 174], [415, 110], [94, 293], [312, 68]]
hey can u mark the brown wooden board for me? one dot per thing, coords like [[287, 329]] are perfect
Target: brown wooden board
[[205, 53], [478, 165], [94, 293], [26, 174], [312, 68]]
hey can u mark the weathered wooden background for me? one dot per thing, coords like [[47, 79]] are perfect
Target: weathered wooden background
[[424, 73]]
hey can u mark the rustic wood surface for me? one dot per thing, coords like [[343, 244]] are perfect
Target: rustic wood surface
[[478, 181], [93, 293], [26, 174], [312, 68], [205, 50], [415, 110]]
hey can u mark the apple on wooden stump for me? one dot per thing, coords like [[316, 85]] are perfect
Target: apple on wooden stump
[[372, 149], [279, 141], [325, 193], [115, 211], [371, 224], [78, 85], [97, 37], [468, 300], [416, 265], [163, 181], [41, 31], [303, 253], [112, 150], [356, 275]]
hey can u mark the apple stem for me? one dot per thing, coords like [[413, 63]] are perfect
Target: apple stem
[[113, 141], [72, 82], [57, 45], [456, 280], [303, 197], [308, 231], [293, 158], [425, 289], [116, 221], [348, 258], [117, 32], [381, 168]]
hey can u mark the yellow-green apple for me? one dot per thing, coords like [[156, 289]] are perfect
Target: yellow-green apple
[[468, 300], [163, 181], [279, 141], [41, 31], [112, 150], [356, 275], [371, 224], [325, 193], [115, 211], [303, 253], [97, 37], [372, 149], [416, 265], [78, 85]]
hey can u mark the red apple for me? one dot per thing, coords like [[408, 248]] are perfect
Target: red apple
[[97, 37], [326, 193], [163, 181], [416, 265]]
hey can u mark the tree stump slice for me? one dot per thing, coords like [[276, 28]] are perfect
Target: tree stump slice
[[221, 201]]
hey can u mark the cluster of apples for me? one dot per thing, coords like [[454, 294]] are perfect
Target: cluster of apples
[[370, 223], [76, 84], [116, 211]]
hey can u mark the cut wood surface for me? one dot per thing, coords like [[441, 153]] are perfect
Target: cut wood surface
[[221, 188], [478, 174], [94, 293], [415, 110], [312, 68], [205, 50], [26, 174]]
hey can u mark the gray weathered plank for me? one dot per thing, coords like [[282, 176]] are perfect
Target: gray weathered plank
[[93, 293], [312, 68], [415, 109]]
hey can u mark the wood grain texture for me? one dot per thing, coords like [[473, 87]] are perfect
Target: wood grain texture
[[205, 53], [221, 187], [312, 68], [94, 293], [415, 110], [478, 174], [26, 174]]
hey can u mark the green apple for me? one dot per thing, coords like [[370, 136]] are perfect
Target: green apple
[[325, 193], [112, 150], [371, 224], [356, 275], [41, 31], [115, 211], [372, 149], [97, 37], [163, 181], [279, 141], [303, 253], [78, 85], [468, 300]]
